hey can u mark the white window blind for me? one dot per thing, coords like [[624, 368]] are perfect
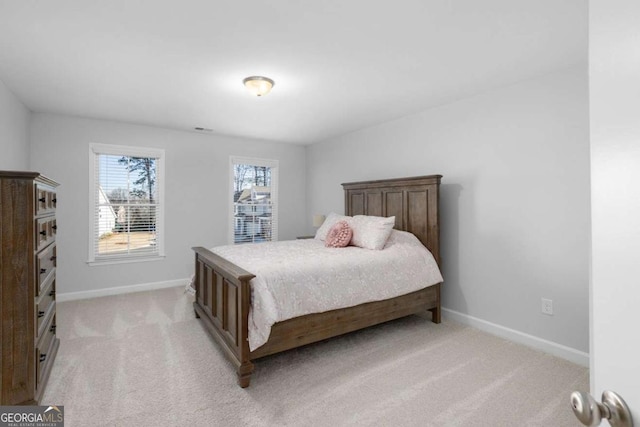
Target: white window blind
[[126, 218], [254, 200]]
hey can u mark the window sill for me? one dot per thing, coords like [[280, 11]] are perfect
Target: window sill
[[125, 260]]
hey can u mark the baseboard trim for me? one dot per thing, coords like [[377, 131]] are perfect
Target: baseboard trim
[[568, 353], [72, 296]]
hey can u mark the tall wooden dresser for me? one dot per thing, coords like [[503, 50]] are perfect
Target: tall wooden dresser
[[27, 285]]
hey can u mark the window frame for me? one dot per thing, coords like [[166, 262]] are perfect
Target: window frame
[[95, 150], [275, 170]]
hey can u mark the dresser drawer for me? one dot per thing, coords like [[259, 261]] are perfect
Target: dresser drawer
[[46, 200], [45, 350], [45, 305], [45, 267], [46, 229]]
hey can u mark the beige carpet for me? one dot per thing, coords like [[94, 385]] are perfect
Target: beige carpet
[[144, 360]]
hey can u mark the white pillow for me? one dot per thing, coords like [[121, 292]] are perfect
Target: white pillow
[[371, 232], [329, 222]]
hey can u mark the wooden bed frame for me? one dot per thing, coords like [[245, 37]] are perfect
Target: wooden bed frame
[[223, 293]]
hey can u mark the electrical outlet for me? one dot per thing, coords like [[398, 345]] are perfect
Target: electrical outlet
[[547, 306]]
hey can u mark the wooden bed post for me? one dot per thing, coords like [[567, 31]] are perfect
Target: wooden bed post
[[244, 302], [197, 285], [436, 312]]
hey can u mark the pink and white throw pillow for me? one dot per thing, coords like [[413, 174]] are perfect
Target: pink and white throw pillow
[[339, 235], [328, 223]]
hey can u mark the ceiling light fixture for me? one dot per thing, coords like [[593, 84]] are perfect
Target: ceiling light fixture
[[258, 85]]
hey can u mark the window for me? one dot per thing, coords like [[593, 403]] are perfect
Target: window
[[254, 200], [126, 202]]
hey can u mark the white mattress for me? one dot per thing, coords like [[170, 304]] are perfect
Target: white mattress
[[299, 277]]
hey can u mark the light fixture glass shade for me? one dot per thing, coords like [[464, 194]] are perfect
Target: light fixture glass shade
[[258, 85], [318, 220]]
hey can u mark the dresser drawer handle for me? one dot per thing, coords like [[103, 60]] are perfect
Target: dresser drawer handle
[[55, 227], [43, 357], [43, 270], [40, 314], [42, 200], [52, 293], [52, 329], [54, 200], [53, 258], [44, 233]]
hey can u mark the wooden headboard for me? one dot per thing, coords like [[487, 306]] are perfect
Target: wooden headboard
[[413, 201]]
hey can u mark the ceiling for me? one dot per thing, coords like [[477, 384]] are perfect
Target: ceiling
[[339, 65]]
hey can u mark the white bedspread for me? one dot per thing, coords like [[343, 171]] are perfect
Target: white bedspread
[[299, 277]]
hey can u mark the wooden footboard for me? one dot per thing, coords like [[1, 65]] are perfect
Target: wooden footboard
[[222, 302]]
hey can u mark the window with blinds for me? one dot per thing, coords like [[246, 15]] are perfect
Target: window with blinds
[[127, 205], [254, 200]]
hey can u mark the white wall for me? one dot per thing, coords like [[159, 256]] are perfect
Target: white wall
[[514, 203], [614, 85], [196, 193], [14, 131]]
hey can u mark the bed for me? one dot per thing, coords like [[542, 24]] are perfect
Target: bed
[[223, 289]]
